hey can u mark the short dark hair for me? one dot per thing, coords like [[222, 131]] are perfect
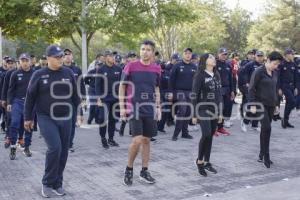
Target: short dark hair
[[275, 55], [148, 42]]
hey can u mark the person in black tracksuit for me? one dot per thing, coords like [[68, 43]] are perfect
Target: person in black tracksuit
[[206, 103], [288, 85], [54, 115], [68, 62], [227, 91], [106, 88], [181, 80], [244, 81], [263, 92]]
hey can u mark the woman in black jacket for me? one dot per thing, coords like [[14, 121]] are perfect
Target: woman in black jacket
[[206, 88], [263, 97]]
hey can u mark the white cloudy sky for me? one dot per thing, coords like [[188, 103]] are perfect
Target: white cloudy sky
[[254, 6]]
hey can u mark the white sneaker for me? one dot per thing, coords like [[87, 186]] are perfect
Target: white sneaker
[[191, 128], [196, 128], [227, 124], [298, 112], [257, 129], [243, 126]]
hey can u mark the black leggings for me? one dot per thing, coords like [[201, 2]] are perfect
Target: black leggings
[[265, 133], [208, 128]]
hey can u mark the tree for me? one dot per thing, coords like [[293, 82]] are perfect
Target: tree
[[279, 28]]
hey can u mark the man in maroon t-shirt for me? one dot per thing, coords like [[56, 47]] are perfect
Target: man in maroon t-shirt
[[142, 105]]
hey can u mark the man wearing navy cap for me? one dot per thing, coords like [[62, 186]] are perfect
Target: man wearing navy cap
[[227, 90], [16, 94], [250, 57], [106, 88], [68, 62], [287, 84], [195, 59], [181, 80], [53, 93], [243, 82]]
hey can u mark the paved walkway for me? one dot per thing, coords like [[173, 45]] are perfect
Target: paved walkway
[[95, 173]]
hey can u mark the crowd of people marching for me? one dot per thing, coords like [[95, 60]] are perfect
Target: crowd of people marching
[[147, 93]]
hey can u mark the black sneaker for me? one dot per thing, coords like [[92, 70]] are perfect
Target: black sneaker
[[201, 169], [210, 168], [267, 161], [146, 177], [187, 136], [128, 177], [27, 152], [283, 123], [288, 125], [162, 130], [104, 143], [12, 154], [152, 139], [260, 158], [174, 138], [112, 143], [71, 149]]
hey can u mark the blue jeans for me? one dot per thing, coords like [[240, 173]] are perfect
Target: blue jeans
[[56, 134]]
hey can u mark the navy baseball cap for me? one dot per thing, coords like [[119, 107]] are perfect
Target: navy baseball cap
[[251, 51], [54, 51], [175, 56], [131, 54], [5, 57], [24, 56], [259, 53], [108, 52], [195, 56], [222, 50], [188, 49], [10, 59], [289, 51]]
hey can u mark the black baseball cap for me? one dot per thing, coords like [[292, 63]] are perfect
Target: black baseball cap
[[188, 49], [10, 59], [67, 50], [175, 56], [251, 51], [54, 51]]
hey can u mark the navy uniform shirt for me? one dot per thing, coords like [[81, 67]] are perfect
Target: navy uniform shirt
[[288, 76], [109, 84], [164, 81], [2, 76], [181, 77], [39, 95], [18, 85], [249, 69], [224, 69], [77, 73], [6, 84]]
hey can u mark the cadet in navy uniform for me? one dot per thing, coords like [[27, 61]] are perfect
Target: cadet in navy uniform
[[244, 81], [54, 111], [165, 95], [16, 94], [90, 81], [5, 85], [250, 57], [107, 99], [287, 84], [68, 62], [181, 80], [227, 90], [298, 96]]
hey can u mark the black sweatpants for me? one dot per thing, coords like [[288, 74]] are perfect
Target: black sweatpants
[[265, 133], [208, 128]]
